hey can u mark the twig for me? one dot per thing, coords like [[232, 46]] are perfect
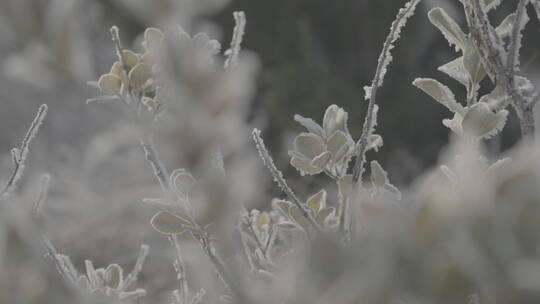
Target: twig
[[133, 275], [383, 62], [151, 155], [515, 40], [20, 154], [236, 42], [43, 192], [280, 180]]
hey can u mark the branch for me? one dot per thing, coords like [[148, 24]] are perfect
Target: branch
[[238, 34], [280, 180], [20, 154], [384, 60], [515, 40]]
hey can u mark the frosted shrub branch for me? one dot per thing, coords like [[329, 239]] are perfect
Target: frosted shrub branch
[[493, 58], [236, 42], [279, 179], [371, 92], [20, 154]]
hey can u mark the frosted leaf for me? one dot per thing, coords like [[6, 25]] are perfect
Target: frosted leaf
[[309, 124], [345, 185], [324, 214], [495, 99], [473, 64], [491, 4], [454, 124], [309, 145], [375, 142], [524, 84], [113, 276], [439, 92], [298, 217], [448, 27], [130, 59], [153, 38], [317, 201], [480, 121], [498, 165], [505, 28], [321, 160], [456, 70], [181, 182], [117, 70], [140, 75], [262, 221], [168, 223], [393, 190], [379, 177], [109, 84], [282, 206], [336, 142], [335, 118], [304, 166]]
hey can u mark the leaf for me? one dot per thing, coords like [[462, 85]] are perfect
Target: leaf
[[140, 75], [113, 276], [480, 121], [507, 25], [130, 58], [454, 124], [117, 70], [335, 118], [309, 124], [282, 206], [375, 142], [473, 64], [456, 70], [181, 182], [393, 190], [337, 142], [317, 201], [448, 27], [323, 214], [110, 84], [379, 177], [152, 38], [168, 223], [439, 92], [321, 160], [345, 185], [498, 165], [296, 214], [309, 145], [303, 165]]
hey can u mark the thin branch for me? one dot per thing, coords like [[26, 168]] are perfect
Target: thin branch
[[280, 180], [43, 192], [20, 154], [515, 40], [236, 42], [384, 60], [133, 275], [151, 155]]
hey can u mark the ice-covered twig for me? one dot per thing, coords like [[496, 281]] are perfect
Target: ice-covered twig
[[20, 154], [133, 275], [236, 42], [384, 60], [515, 40], [279, 179], [43, 192], [160, 172]]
